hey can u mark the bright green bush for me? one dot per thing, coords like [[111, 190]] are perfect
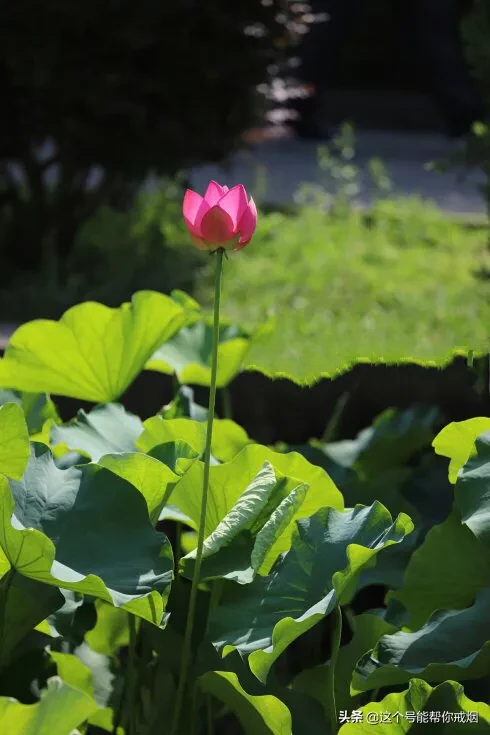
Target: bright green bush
[[110, 92], [406, 281], [115, 254]]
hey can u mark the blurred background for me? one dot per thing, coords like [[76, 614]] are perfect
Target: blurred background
[[361, 128]]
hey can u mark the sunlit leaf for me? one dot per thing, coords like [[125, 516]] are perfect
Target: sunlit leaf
[[111, 631], [237, 547], [188, 353], [228, 481], [441, 706], [265, 715], [457, 441], [37, 407], [93, 352], [60, 710], [228, 437], [151, 477], [14, 441]]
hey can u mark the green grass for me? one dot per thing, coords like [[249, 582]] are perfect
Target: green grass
[[408, 284]]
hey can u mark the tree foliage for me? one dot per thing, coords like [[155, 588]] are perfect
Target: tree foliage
[[98, 94]]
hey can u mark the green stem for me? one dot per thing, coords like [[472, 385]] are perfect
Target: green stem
[[132, 674], [123, 710], [336, 636], [186, 650], [5, 586], [178, 545]]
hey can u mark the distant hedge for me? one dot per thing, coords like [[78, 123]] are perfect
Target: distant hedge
[[128, 87]]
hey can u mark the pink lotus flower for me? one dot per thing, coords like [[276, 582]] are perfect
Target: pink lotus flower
[[223, 218]]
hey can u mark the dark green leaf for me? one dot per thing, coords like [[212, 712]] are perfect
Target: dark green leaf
[[321, 570], [88, 530]]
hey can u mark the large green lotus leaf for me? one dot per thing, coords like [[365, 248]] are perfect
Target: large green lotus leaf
[[88, 530], [108, 436], [314, 682], [25, 604], [441, 705], [104, 683], [188, 353], [14, 441], [176, 456], [157, 430], [453, 644], [264, 715], [329, 550], [60, 710], [73, 672], [241, 516], [93, 676], [237, 547], [429, 492], [93, 352], [104, 430], [228, 437], [37, 407], [227, 481], [472, 491], [111, 630], [389, 567], [444, 573], [307, 715], [424, 493], [150, 476], [457, 441]]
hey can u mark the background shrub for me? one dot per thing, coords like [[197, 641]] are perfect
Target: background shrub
[[98, 94]]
